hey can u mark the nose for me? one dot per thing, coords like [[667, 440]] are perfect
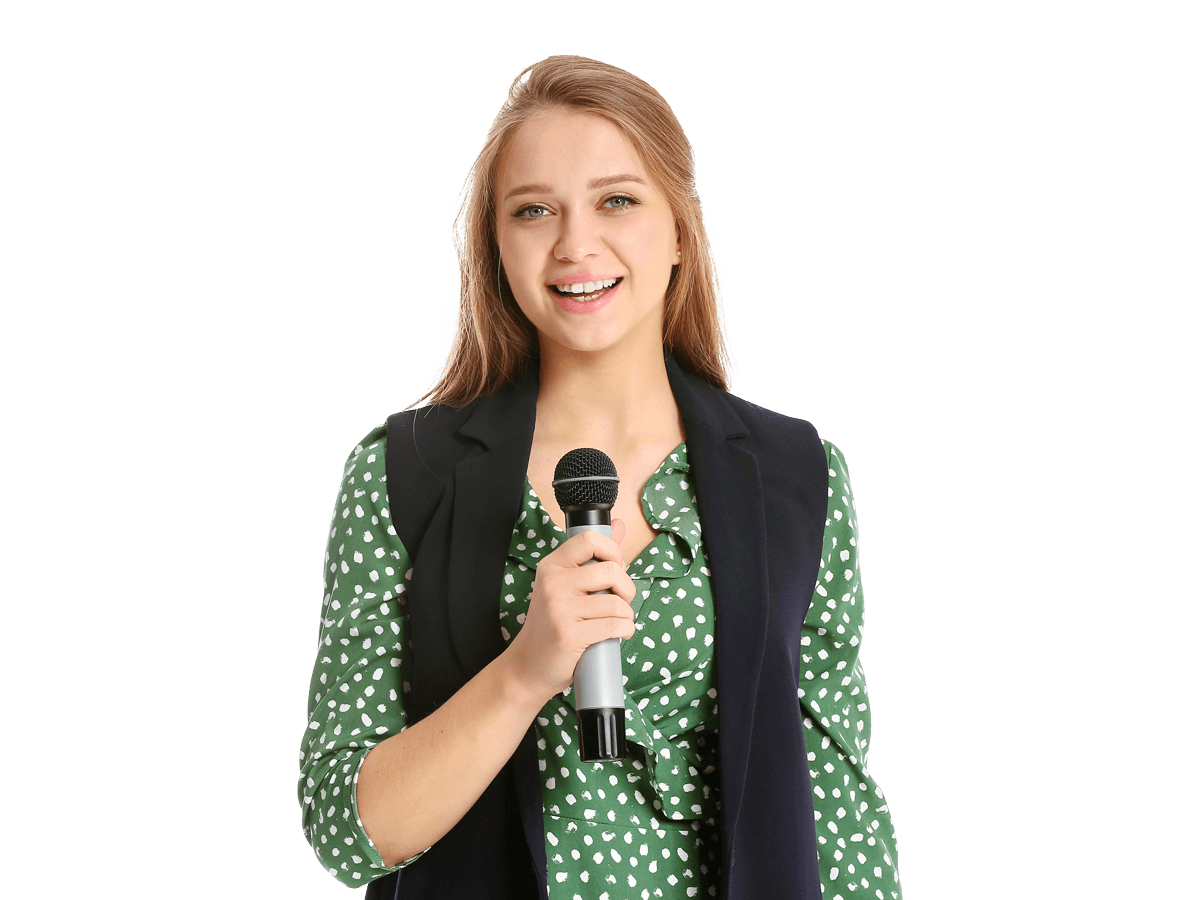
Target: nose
[[577, 240]]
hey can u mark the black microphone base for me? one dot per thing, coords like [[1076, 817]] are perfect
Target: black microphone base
[[601, 733]]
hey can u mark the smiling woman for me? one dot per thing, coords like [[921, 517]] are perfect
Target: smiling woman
[[441, 756], [562, 99], [565, 220]]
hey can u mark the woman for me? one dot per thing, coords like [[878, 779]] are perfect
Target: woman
[[441, 757]]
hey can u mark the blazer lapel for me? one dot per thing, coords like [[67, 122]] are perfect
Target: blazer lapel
[[729, 502], [488, 487]]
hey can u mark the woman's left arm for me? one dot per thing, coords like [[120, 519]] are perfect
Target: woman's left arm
[[856, 843], [833, 687]]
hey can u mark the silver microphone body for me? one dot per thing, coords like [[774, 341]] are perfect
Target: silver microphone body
[[598, 680], [585, 486]]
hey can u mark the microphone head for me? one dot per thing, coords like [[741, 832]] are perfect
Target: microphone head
[[585, 477]]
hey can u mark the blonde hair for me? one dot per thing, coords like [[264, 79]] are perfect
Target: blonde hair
[[494, 339]]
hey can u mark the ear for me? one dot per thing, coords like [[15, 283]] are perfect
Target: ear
[[678, 246]]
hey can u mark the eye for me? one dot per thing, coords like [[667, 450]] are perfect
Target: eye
[[520, 213], [628, 201], [537, 211]]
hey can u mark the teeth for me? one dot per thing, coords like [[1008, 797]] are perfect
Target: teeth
[[585, 287]]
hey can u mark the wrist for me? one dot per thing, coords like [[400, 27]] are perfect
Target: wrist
[[517, 688]]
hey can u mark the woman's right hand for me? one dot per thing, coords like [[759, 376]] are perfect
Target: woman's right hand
[[564, 617]]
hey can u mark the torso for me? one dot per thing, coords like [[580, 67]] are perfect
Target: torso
[[634, 467]]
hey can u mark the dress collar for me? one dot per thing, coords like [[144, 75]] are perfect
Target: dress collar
[[668, 505]]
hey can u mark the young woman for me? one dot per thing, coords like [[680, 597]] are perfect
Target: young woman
[[441, 757]]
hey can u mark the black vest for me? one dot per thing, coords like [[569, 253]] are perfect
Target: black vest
[[456, 480]]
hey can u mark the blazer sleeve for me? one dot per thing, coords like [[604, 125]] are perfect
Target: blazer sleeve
[[361, 672], [856, 843]]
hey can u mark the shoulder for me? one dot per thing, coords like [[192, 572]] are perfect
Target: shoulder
[[834, 458], [770, 421], [789, 453], [366, 460], [841, 495], [427, 439], [703, 402], [775, 434]]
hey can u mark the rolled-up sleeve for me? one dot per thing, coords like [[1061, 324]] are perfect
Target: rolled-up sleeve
[[360, 676]]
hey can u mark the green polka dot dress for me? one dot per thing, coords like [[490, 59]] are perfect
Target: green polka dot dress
[[645, 826]]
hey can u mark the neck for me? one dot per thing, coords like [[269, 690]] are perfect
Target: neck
[[618, 398]]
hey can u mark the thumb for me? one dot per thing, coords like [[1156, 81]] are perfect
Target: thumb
[[618, 530]]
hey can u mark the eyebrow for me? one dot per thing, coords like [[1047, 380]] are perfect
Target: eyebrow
[[594, 184]]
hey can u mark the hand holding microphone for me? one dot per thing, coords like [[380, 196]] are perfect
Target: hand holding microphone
[[580, 608]]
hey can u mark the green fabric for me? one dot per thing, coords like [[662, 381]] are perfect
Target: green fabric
[[648, 825]]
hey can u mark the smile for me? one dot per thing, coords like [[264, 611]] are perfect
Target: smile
[[590, 289], [590, 296]]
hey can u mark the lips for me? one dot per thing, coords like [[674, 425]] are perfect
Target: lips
[[584, 303]]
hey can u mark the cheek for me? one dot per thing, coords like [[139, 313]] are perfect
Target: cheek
[[654, 240], [521, 259], [508, 275]]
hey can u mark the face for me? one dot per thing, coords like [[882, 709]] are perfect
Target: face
[[575, 206]]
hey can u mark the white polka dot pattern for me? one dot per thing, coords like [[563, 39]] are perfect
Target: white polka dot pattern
[[650, 821], [856, 843], [640, 827], [360, 672]]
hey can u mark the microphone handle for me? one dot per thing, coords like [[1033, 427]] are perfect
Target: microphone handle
[[598, 681], [599, 686]]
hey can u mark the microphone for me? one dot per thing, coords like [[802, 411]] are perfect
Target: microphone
[[585, 486]]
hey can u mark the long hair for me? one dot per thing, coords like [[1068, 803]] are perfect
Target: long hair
[[495, 340]]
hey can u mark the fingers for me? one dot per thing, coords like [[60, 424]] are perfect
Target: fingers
[[588, 562], [602, 607], [589, 574], [584, 546], [607, 576], [589, 578]]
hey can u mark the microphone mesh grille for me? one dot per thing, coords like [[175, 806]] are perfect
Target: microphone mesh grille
[[582, 463]]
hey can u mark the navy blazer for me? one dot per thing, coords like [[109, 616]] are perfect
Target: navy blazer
[[455, 483]]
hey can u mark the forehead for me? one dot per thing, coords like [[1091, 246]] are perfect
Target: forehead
[[564, 149]]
